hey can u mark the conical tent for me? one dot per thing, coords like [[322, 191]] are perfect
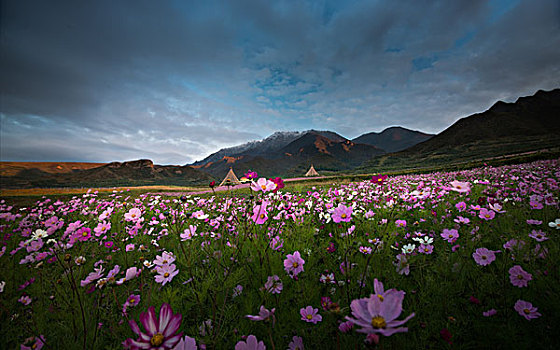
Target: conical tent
[[230, 179], [312, 172]]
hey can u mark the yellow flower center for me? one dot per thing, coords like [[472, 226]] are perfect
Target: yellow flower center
[[483, 257], [157, 339], [519, 277], [84, 234], [263, 187], [165, 261], [309, 317], [343, 216], [381, 298], [378, 322], [295, 264], [262, 216], [527, 311], [134, 215], [450, 236], [166, 274]]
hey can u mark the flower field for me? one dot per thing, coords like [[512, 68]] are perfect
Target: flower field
[[462, 260]]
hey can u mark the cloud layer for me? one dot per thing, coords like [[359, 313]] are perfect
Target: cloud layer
[[175, 81]]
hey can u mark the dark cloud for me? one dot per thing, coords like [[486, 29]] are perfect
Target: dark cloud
[[175, 81]]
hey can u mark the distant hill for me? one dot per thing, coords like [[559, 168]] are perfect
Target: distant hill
[[326, 150], [139, 172], [530, 124], [13, 168], [393, 139]]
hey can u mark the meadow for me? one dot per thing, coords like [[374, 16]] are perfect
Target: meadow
[[444, 260]]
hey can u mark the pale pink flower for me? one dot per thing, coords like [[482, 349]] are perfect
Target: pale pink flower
[[342, 213], [260, 215], [483, 256], [166, 273], [133, 215], [450, 235], [486, 214], [460, 187], [263, 185], [296, 343], [264, 315], [293, 264]]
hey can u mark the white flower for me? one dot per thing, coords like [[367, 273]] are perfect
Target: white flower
[[2, 284], [555, 224], [408, 249], [51, 241], [39, 234]]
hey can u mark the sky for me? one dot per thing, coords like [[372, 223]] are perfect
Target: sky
[[174, 81]]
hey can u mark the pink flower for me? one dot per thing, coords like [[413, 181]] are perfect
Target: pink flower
[[309, 314], [346, 327], [264, 315], [400, 223], [102, 228], [450, 235], [483, 256], [263, 185], [293, 264], [296, 343], [378, 313], [460, 187], [273, 285], [489, 313], [133, 214], [33, 343], [519, 277], [186, 343], [188, 233], [461, 206], [251, 343], [130, 247], [166, 273], [25, 300], [131, 273], [378, 179], [259, 213], [426, 248], [161, 333], [486, 214], [526, 309], [279, 183], [539, 236], [165, 259], [342, 213]]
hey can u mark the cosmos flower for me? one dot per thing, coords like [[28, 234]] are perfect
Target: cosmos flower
[[489, 313], [33, 343], [486, 214], [450, 235], [378, 179], [279, 184], [555, 224], [251, 343], [293, 264], [164, 259], [133, 215], [273, 285], [483, 256], [309, 314], [519, 277], [379, 315], [526, 309], [539, 236], [161, 333], [260, 215], [296, 343], [460, 187], [166, 273], [264, 315], [263, 185], [342, 213], [187, 343]]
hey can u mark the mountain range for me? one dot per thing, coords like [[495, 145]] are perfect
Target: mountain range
[[531, 123]]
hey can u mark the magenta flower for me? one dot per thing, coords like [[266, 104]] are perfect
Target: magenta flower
[[252, 343], [519, 277], [450, 235], [296, 343], [483, 256], [161, 333], [400, 223], [526, 309], [461, 206], [379, 314], [264, 315], [342, 213], [251, 175], [486, 214], [166, 273], [293, 264], [309, 314], [378, 179]]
